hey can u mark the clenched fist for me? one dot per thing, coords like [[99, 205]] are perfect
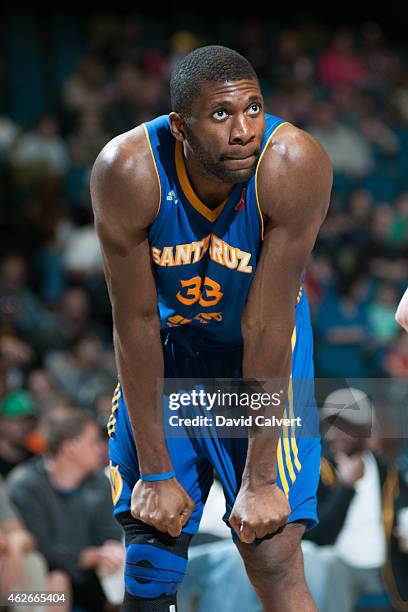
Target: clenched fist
[[259, 511], [163, 504]]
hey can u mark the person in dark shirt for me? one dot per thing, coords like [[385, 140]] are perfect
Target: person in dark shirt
[[64, 500], [17, 420]]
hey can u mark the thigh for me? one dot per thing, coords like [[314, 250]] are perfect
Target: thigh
[[193, 471], [299, 449], [278, 552]]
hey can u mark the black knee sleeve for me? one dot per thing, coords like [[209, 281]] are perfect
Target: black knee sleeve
[[155, 566]]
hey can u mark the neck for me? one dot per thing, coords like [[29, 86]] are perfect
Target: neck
[[63, 474], [211, 191]]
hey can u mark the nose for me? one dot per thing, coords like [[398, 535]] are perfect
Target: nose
[[242, 130]]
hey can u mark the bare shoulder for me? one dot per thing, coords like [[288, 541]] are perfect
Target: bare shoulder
[[294, 176], [124, 186]]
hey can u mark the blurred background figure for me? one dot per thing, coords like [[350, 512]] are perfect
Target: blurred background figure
[[356, 549], [21, 566], [64, 500], [17, 420]]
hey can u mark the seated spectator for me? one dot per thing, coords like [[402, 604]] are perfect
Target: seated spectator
[[86, 142], [84, 372], [381, 315], [378, 256], [356, 548], [340, 64], [21, 566], [341, 327], [43, 391], [40, 152], [20, 308], [17, 421], [64, 499], [348, 150], [73, 320], [85, 90]]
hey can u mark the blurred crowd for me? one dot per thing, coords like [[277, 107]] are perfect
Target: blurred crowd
[[347, 88]]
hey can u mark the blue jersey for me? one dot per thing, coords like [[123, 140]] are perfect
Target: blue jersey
[[204, 259]]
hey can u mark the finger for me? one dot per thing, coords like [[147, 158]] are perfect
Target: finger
[[234, 522], [174, 529], [246, 533], [184, 517]]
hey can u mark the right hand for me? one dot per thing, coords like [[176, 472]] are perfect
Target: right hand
[[350, 468], [163, 504]]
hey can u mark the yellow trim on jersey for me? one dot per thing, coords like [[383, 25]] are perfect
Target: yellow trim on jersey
[[291, 409], [281, 469], [256, 174], [115, 405], [211, 215], [284, 455], [155, 167]]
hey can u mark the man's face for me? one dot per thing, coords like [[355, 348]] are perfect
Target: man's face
[[226, 128], [88, 449]]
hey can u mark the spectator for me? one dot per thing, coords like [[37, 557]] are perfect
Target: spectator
[[342, 333], [60, 495], [86, 90], [20, 308], [347, 149], [84, 372], [357, 490], [381, 315], [21, 566], [17, 421], [339, 65], [87, 140], [40, 153]]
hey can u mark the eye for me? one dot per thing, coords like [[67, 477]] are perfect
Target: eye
[[220, 114], [254, 109]]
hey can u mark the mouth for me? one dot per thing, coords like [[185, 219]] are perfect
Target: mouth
[[240, 163], [240, 157]]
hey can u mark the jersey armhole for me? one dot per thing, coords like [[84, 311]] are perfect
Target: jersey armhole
[[256, 174], [155, 168]]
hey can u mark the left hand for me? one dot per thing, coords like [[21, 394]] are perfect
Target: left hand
[[259, 511]]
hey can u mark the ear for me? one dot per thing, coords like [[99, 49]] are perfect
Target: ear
[[177, 126]]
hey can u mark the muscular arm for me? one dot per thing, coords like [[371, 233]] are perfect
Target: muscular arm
[[125, 195], [294, 184], [401, 316]]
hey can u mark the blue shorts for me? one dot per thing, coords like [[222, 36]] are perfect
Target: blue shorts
[[195, 458]]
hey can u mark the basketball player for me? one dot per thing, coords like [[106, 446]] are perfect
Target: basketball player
[[401, 316], [206, 217]]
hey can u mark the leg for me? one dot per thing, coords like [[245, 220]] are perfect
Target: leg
[[275, 568], [212, 568], [155, 566], [155, 562]]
